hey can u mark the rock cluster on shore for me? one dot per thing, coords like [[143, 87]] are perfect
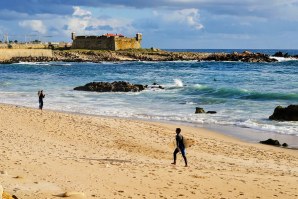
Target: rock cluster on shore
[[273, 142], [142, 55]]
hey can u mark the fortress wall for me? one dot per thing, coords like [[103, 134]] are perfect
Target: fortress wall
[[126, 43], [105, 43], [94, 43], [24, 46], [7, 54]]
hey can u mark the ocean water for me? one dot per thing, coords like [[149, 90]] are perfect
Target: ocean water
[[243, 94]]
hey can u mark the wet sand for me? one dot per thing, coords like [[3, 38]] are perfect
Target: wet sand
[[255, 136], [47, 154]]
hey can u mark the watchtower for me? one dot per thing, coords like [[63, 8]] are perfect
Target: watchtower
[[73, 36], [139, 37]]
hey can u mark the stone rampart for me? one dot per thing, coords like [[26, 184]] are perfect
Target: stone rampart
[[105, 43], [126, 43], [93, 43], [7, 54], [24, 46]]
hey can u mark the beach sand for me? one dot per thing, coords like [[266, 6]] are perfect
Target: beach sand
[[47, 154]]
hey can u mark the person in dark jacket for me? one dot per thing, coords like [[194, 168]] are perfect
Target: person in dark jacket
[[40, 98], [180, 147]]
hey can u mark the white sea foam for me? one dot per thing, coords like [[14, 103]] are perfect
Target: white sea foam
[[34, 63], [200, 86], [268, 127], [178, 82], [183, 61], [191, 103], [59, 64], [282, 59], [149, 62]]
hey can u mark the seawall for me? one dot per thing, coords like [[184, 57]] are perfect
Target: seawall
[[7, 54]]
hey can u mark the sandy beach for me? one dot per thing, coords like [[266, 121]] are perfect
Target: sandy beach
[[48, 155]]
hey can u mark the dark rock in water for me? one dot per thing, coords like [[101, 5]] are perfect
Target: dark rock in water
[[211, 112], [246, 56], [154, 86], [199, 110], [280, 54], [119, 86], [285, 114], [284, 145], [271, 142]]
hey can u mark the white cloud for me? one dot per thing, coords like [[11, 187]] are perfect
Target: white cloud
[[80, 24], [81, 12], [185, 16], [60, 27], [35, 25]]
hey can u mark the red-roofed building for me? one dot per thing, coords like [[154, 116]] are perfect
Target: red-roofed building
[[113, 35]]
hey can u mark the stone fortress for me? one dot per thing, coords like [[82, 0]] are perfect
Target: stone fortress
[[106, 42], [113, 42]]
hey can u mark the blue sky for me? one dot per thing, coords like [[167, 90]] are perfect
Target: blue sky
[[164, 23]]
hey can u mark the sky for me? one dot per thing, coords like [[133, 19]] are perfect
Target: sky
[[165, 24]]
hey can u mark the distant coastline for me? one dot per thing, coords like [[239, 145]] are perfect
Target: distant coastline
[[270, 52], [80, 55]]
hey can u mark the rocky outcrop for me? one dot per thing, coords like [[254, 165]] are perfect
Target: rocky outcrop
[[117, 86], [32, 59], [246, 56], [289, 113]]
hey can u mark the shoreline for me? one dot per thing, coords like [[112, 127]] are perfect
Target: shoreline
[[255, 136], [99, 157], [247, 135]]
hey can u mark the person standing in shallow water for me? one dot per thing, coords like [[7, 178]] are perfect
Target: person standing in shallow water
[[180, 147], [40, 98]]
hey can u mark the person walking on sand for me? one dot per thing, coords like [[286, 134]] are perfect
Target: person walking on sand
[[40, 98], [180, 147]]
